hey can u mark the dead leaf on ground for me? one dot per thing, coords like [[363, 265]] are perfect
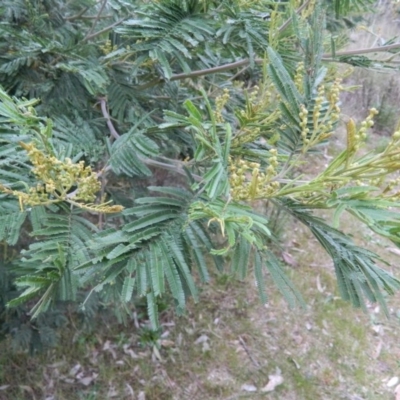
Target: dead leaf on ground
[[74, 370], [129, 351], [156, 354], [393, 381], [112, 392], [289, 260], [129, 390], [86, 381], [274, 381], [57, 364], [108, 346], [201, 339], [249, 388], [166, 343]]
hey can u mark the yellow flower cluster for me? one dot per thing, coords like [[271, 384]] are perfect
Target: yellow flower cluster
[[380, 170], [248, 182], [353, 140], [254, 95], [354, 137], [306, 12], [247, 135], [298, 77], [252, 105], [318, 105], [368, 123], [303, 123], [322, 120], [257, 116], [60, 177], [333, 97], [56, 179], [220, 103], [107, 48]]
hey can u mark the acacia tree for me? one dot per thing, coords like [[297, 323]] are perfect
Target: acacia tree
[[231, 97]]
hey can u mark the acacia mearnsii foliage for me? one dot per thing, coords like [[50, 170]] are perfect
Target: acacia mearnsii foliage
[[134, 133]]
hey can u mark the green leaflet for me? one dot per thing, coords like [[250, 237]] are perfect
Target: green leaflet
[[151, 219], [172, 275], [198, 256], [159, 55], [240, 258], [284, 83], [152, 310], [282, 282], [141, 280], [11, 223], [128, 151], [155, 270], [127, 289], [356, 270], [180, 261], [167, 32], [258, 273]]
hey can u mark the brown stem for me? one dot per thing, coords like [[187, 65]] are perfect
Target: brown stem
[[88, 17], [240, 63], [366, 51], [200, 72], [106, 115], [106, 29]]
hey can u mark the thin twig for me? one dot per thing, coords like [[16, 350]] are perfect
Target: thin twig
[[200, 72], [232, 78], [175, 166], [106, 115], [289, 21], [243, 343], [96, 19], [357, 52], [79, 15], [88, 17], [107, 28]]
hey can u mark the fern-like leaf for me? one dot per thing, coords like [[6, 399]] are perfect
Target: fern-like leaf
[[127, 153], [357, 272]]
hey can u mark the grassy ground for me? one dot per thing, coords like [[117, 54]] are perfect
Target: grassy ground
[[230, 346], [225, 347]]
